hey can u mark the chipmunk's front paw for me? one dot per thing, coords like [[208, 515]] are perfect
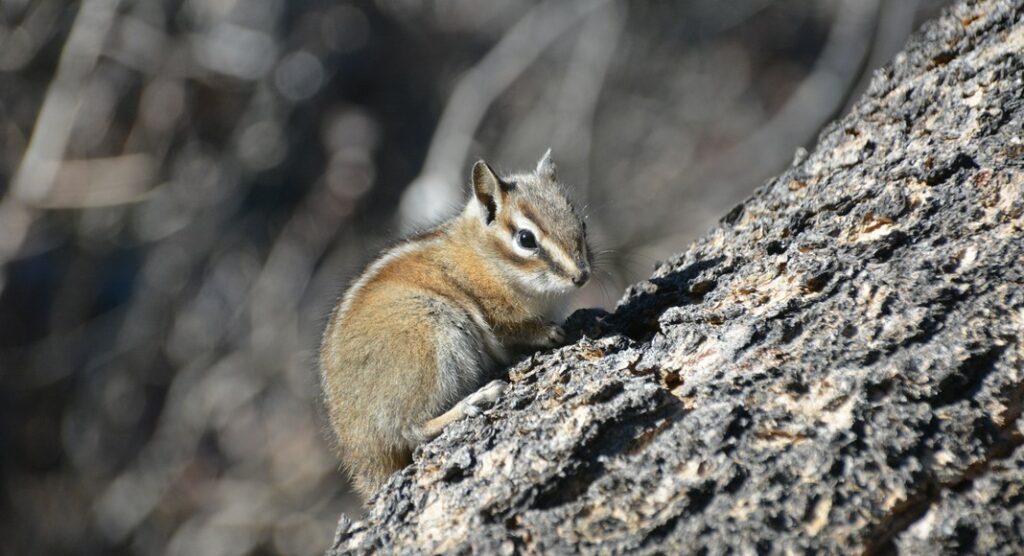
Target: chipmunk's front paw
[[474, 403], [554, 335]]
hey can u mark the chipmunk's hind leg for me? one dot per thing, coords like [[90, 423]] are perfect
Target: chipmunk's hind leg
[[469, 406], [463, 362]]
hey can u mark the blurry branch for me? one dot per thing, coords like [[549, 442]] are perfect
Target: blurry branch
[[97, 182], [39, 167], [132, 495], [815, 100], [253, 356], [740, 14], [272, 303], [438, 186], [895, 23], [19, 45], [38, 170], [289, 269], [581, 90], [568, 125]]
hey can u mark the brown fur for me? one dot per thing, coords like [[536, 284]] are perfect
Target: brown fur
[[430, 320]]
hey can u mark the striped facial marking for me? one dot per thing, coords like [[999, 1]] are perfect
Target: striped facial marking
[[531, 242]]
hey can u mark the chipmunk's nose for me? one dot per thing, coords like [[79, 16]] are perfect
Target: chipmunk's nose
[[582, 277]]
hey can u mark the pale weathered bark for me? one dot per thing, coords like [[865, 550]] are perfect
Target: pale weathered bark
[[838, 366]]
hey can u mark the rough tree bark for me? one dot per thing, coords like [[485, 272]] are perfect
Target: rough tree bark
[[838, 366]]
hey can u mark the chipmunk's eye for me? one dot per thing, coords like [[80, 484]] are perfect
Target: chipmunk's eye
[[526, 240]]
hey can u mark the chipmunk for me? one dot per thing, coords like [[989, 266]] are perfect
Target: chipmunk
[[410, 344]]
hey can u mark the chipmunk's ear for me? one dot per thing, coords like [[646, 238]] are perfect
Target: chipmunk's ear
[[488, 191], [546, 167]]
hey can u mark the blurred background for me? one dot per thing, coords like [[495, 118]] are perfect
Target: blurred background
[[186, 186]]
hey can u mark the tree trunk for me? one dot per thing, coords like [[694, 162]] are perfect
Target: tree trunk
[[837, 366]]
